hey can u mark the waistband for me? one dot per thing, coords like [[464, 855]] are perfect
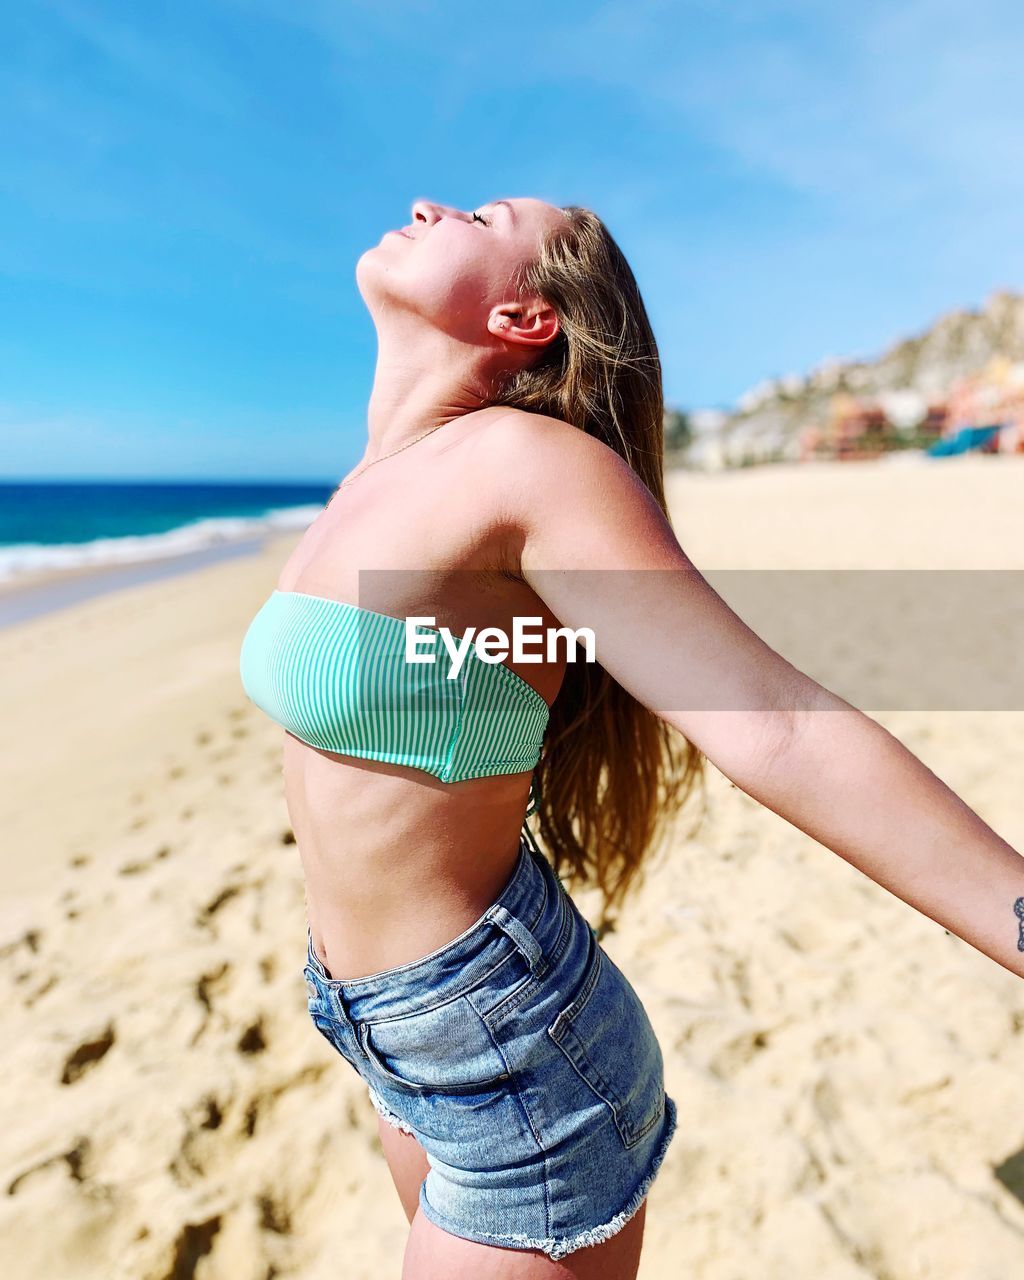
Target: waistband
[[526, 916]]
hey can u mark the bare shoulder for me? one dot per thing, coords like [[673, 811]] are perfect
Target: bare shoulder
[[540, 435], [536, 458]]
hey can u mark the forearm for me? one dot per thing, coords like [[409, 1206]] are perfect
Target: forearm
[[851, 785]]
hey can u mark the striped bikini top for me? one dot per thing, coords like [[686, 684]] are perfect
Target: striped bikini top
[[336, 676]]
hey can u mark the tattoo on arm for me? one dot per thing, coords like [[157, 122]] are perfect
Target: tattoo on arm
[[1018, 910]]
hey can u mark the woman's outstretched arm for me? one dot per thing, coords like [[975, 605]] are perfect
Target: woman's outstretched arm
[[848, 782], [597, 549]]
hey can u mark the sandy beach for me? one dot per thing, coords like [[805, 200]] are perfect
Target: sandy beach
[[849, 1076]]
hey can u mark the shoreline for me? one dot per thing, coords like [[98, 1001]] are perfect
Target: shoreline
[[38, 594]]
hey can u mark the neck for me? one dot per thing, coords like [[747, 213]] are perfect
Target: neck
[[420, 383]]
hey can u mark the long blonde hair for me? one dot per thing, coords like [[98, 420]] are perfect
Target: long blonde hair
[[612, 774]]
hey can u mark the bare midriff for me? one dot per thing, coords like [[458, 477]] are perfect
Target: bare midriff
[[396, 866]]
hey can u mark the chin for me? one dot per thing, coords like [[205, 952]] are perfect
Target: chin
[[375, 280], [367, 270]]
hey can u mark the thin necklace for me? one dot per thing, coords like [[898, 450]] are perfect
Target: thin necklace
[[408, 444]]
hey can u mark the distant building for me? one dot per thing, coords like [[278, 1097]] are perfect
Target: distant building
[[853, 429], [992, 397]]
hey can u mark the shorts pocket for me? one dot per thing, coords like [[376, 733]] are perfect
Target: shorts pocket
[[608, 1038], [447, 1049]]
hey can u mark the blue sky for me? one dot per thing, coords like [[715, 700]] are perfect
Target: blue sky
[[185, 189]]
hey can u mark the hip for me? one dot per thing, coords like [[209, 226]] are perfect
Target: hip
[[524, 1018]]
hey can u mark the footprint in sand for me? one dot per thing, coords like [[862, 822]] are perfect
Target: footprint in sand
[[87, 1055], [194, 1241], [47, 984], [1011, 1174], [30, 939], [75, 1158], [252, 1039], [273, 1215], [209, 985], [134, 868], [204, 916], [196, 1154]]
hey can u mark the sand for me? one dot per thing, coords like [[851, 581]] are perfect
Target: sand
[[849, 1076]]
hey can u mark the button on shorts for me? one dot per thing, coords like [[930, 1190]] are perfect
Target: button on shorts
[[524, 1063]]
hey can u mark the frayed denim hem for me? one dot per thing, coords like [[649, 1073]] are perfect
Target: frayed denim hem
[[396, 1122], [557, 1247]]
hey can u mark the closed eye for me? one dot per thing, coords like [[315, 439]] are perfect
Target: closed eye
[[477, 218]]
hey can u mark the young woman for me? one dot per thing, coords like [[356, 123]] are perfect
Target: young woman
[[513, 474]]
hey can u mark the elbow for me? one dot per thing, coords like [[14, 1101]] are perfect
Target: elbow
[[751, 743]]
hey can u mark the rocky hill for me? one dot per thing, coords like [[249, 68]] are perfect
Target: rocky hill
[[768, 419]]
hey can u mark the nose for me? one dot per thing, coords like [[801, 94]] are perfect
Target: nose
[[425, 211], [429, 211]]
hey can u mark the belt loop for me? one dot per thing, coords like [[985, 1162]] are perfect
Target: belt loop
[[521, 936], [341, 1010]]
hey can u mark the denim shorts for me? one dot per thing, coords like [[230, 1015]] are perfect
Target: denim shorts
[[523, 1062]]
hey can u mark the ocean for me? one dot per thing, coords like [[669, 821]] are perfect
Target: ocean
[[56, 525]]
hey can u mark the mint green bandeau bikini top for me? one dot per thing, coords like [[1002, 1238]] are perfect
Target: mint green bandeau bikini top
[[336, 676]]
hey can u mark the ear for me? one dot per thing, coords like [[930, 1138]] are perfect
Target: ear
[[533, 324]]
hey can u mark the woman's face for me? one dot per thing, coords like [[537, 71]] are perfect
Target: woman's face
[[454, 267]]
